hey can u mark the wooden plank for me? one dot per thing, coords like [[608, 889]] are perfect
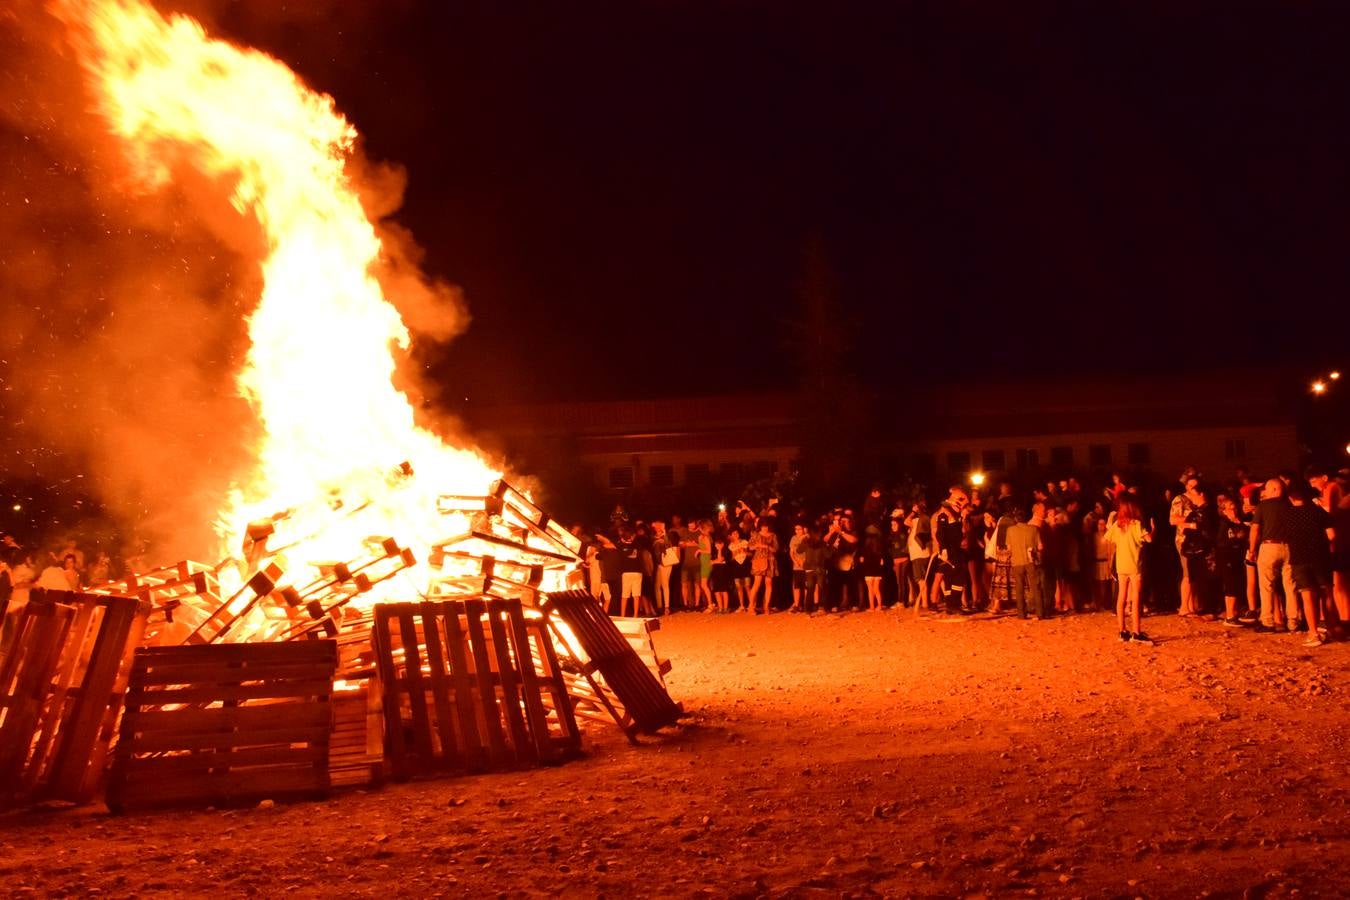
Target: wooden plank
[[241, 718], [439, 684], [416, 692], [210, 692], [521, 744], [475, 754], [487, 694], [395, 744], [233, 759]]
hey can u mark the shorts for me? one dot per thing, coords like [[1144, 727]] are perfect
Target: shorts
[[1233, 575], [1311, 576], [918, 568], [798, 579], [632, 585], [764, 568]]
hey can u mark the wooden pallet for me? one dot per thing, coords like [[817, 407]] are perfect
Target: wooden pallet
[[225, 724], [638, 632], [356, 747], [635, 698], [61, 690], [464, 684]]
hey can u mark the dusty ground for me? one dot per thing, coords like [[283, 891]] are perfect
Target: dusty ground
[[869, 754]]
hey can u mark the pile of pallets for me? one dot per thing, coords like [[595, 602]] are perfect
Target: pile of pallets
[[61, 682], [488, 671]]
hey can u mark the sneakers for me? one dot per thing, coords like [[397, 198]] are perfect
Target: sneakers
[[1314, 641], [1250, 615], [1261, 628], [1140, 638], [1124, 636], [1233, 622]]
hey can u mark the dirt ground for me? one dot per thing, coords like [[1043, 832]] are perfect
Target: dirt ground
[[857, 755]]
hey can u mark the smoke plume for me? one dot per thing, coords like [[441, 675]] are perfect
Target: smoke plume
[[123, 313]]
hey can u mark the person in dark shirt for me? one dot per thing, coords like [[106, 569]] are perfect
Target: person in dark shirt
[[611, 568], [951, 549], [1268, 547], [1199, 534], [1230, 558], [1309, 531]]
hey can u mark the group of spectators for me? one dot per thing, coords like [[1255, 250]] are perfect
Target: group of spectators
[[1251, 553], [60, 567]]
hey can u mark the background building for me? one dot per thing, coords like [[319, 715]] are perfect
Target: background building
[[706, 448]]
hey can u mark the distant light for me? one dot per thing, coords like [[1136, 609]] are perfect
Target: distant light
[[18, 507], [1347, 449], [1319, 387], [976, 478], [1334, 376]]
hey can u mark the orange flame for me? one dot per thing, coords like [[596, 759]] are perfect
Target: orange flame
[[323, 336]]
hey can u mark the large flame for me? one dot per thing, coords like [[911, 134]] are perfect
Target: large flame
[[319, 371]]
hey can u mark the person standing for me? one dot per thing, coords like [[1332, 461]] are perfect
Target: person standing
[[1023, 542], [1230, 550], [897, 548], [687, 539], [872, 562], [763, 563], [919, 540], [797, 553], [1126, 533], [666, 554], [1268, 547], [951, 550], [1310, 535]]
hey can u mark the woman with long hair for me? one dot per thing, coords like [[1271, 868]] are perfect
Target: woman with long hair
[[1125, 531]]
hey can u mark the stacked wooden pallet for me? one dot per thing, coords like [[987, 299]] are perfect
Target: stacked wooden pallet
[[225, 724], [61, 684]]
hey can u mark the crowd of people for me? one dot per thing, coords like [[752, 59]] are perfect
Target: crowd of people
[[60, 567], [1272, 555]]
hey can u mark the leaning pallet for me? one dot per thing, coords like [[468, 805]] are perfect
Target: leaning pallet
[[225, 724], [628, 690], [69, 667], [464, 688]]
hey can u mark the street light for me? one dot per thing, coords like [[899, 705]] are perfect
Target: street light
[[1319, 387], [1334, 376]]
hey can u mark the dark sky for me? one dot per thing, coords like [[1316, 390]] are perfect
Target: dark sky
[[626, 191]]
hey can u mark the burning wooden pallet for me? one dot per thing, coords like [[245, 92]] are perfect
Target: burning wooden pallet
[[225, 724], [61, 684]]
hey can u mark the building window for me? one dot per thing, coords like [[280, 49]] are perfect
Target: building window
[[993, 460], [620, 478], [1028, 459], [925, 465], [1138, 454], [661, 476], [1235, 448], [1099, 455], [958, 462], [762, 469], [697, 474], [733, 474], [1061, 458]]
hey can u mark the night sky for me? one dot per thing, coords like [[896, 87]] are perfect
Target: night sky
[[627, 191]]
